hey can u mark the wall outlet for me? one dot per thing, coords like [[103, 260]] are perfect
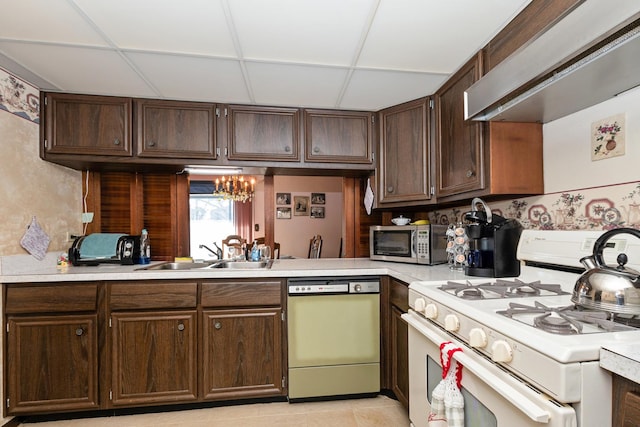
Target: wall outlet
[[87, 217], [69, 237]]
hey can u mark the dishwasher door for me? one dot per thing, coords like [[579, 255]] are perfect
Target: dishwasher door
[[334, 344]]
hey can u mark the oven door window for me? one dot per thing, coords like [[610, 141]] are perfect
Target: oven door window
[[393, 243], [475, 413]]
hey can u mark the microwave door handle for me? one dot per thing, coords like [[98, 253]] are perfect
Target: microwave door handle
[[518, 399], [414, 243]]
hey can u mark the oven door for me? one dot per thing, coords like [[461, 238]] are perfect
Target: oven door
[[492, 397]]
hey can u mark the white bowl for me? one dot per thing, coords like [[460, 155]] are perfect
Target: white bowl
[[401, 220]]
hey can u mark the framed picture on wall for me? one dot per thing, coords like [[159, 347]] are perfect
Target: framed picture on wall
[[301, 205], [317, 211], [283, 198], [317, 198], [283, 213]]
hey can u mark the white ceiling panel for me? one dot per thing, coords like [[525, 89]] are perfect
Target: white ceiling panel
[[79, 69], [173, 76], [53, 21], [349, 54], [282, 84], [391, 88], [187, 26], [432, 35], [317, 32]]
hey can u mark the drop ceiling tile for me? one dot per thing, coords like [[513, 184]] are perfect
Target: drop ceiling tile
[[53, 21], [307, 86], [92, 71], [374, 90], [192, 78], [432, 35], [187, 26], [314, 32]]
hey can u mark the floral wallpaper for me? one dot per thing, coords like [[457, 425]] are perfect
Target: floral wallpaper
[[19, 97], [602, 208]]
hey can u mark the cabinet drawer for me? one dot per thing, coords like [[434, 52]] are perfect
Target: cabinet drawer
[[51, 298], [241, 293], [170, 294]]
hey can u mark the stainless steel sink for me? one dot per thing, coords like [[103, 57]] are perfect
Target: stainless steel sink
[[241, 265], [177, 266], [182, 266]]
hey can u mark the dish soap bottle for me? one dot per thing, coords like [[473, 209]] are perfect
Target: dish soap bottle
[[255, 252], [145, 247]]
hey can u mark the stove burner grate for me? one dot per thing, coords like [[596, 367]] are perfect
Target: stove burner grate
[[501, 288], [565, 320]]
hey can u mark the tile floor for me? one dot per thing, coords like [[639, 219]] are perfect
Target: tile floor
[[379, 411]]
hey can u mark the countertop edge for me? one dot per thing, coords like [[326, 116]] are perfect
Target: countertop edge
[[622, 359]]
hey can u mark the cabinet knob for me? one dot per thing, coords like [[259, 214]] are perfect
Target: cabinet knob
[[316, 149], [390, 189], [152, 144], [181, 326], [116, 141], [79, 332], [217, 325], [470, 173], [287, 149]]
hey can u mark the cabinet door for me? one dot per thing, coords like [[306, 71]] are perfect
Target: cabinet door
[[175, 129], [459, 149], [399, 356], [153, 357], [52, 364], [263, 133], [338, 136], [404, 153], [242, 353], [87, 125]]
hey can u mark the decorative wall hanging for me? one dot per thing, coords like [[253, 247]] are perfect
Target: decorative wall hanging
[[283, 213], [608, 137], [301, 205], [317, 211], [283, 198]]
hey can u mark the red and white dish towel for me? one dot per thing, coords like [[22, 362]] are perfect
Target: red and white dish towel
[[447, 403]]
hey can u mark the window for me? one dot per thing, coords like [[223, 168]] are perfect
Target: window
[[211, 218]]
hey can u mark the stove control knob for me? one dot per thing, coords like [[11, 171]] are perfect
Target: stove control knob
[[419, 304], [451, 323], [431, 311], [501, 351], [477, 338]]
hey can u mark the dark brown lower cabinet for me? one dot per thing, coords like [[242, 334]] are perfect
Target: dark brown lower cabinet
[[52, 363], [626, 402], [399, 341], [242, 353], [154, 357]]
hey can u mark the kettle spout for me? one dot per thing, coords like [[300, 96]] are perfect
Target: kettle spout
[[589, 262]]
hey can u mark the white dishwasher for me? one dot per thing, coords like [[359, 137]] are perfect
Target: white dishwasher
[[333, 336]]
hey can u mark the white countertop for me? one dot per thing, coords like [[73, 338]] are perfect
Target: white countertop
[[24, 269], [622, 359]]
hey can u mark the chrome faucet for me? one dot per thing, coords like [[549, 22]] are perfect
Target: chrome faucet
[[217, 252]]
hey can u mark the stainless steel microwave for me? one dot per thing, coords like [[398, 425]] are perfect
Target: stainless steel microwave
[[414, 244]]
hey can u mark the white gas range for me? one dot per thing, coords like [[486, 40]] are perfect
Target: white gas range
[[515, 373]]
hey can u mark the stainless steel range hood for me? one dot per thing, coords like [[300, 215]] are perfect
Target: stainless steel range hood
[[552, 77]]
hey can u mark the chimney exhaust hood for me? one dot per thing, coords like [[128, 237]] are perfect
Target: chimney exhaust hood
[[589, 56]]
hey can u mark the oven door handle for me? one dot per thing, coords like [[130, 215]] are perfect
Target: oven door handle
[[518, 399]]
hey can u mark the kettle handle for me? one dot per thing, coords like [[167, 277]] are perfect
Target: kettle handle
[[600, 244], [474, 208]]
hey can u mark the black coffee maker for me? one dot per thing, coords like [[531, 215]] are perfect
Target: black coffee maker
[[493, 241]]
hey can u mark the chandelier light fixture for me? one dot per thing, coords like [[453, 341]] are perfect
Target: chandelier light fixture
[[234, 187]]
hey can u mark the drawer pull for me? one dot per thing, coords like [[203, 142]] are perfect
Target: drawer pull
[[217, 325], [181, 326], [79, 332]]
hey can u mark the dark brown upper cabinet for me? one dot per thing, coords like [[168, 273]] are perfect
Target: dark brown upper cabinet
[[86, 125], [175, 129], [338, 136], [404, 171], [263, 133]]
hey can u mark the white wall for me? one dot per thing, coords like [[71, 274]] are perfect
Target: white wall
[[567, 147]]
